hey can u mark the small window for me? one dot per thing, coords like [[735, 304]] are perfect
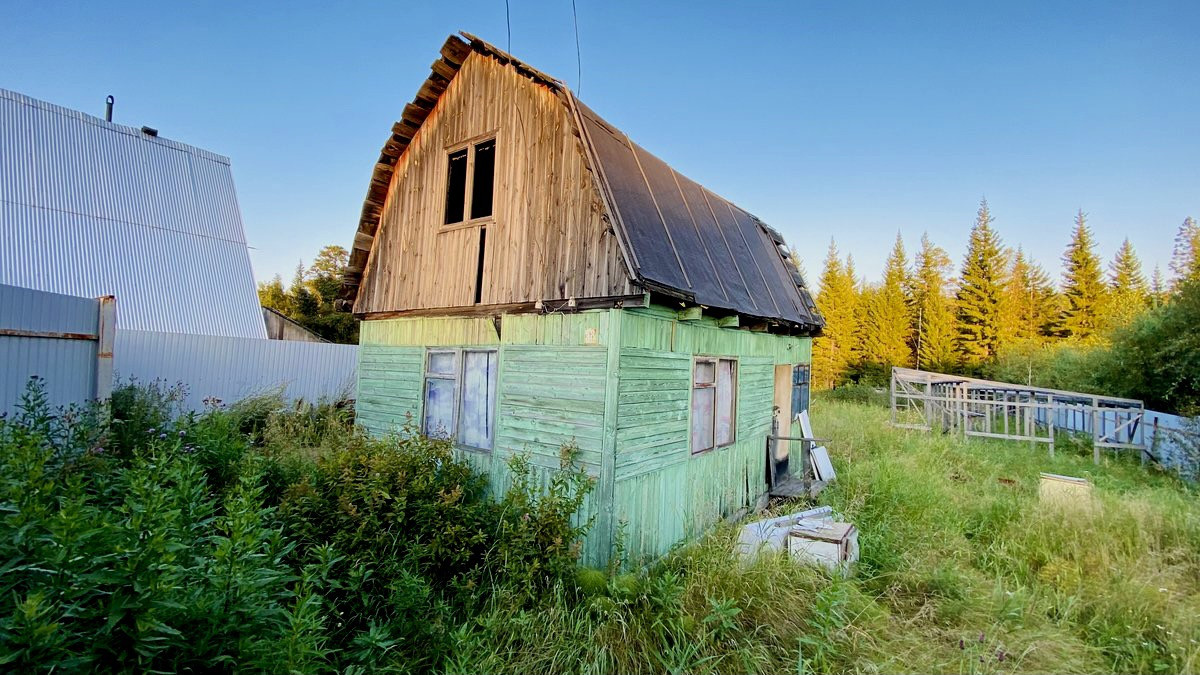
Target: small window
[[714, 408], [460, 396], [470, 181], [441, 392], [801, 376], [476, 419], [481, 182], [456, 187]]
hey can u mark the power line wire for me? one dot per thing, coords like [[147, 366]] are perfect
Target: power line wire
[[578, 64]]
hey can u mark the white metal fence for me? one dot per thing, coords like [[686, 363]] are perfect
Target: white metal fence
[[73, 345], [65, 340], [230, 369]]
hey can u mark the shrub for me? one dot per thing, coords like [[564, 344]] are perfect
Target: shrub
[[142, 411], [124, 563]]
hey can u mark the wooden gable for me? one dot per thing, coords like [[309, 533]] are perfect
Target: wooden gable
[[547, 238]]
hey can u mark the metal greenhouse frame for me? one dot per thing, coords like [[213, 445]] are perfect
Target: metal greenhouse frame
[[970, 406]]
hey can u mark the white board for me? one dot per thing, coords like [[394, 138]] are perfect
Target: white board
[[805, 424], [822, 467]]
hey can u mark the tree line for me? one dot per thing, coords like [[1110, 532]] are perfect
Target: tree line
[[1001, 307], [309, 300]]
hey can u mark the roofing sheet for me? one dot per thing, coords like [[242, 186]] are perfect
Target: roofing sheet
[[92, 208], [685, 237]]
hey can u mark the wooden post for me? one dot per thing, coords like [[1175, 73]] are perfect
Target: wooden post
[[892, 398], [106, 332], [1050, 421], [928, 406], [1029, 424]]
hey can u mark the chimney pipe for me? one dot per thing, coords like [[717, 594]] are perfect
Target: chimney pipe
[[108, 103]]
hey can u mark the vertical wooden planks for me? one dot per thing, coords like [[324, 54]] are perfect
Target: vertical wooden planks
[[545, 223]]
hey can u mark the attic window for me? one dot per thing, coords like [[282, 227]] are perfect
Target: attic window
[[456, 187], [470, 179], [481, 184]]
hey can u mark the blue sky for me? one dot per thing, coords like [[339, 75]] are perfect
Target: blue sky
[[826, 119]]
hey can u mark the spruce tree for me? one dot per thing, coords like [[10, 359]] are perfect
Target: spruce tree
[[1130, 295], [980, 300], [1185, 257], [837, 299], [1085, 296], [1031, 304], [272, 294], [1158, 289], [934, 313], [887, 329]]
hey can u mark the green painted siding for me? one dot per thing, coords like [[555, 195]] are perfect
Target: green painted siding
[[657, 328], [389, 386], [550, 397], [615, 383], [664, 494]]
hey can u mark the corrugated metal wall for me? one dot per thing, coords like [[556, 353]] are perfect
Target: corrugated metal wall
[[91, 208], [67, 366], [1173, 441], [231, 369]]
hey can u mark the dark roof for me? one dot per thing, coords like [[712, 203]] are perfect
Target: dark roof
[[687, 241], [680, 238]]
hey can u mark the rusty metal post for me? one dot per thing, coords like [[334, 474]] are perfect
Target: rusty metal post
[[106, 332]]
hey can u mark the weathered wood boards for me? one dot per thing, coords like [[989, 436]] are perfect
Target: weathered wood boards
[[546, 238]]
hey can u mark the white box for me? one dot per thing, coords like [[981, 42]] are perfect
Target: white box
[[831, 545]]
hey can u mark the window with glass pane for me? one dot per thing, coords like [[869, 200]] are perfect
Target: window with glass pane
[[714, 393], [460, 396], [456, 187], [441, 385], [476, 419], [726, 374], [801, 377], [483, 179]]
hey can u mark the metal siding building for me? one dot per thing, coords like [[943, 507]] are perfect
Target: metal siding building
[[90, 208]]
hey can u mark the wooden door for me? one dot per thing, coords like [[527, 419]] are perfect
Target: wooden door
[[782, 415]]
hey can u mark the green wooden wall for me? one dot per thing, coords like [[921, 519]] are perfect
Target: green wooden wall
[[615, 383]]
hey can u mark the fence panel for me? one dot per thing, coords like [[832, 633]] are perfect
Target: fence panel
[[57, 338], [1174, 442], [231, 369]]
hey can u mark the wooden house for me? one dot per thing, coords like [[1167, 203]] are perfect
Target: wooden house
[[528, 277]]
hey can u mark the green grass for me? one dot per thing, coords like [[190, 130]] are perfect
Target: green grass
[[264, 537], [962, 570]]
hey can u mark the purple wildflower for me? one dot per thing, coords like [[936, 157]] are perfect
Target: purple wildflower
[[162, 437]]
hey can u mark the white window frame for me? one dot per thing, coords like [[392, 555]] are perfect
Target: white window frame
[[457, 377], [733, 401]]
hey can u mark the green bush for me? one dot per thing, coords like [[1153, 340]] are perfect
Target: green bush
[[857, 393], [256, 537], [131, 563]]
